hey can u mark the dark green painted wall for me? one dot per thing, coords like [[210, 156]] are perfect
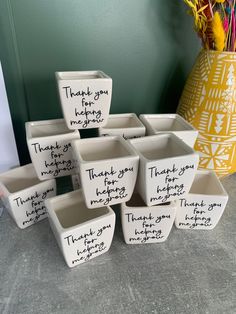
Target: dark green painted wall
[[146, 46]]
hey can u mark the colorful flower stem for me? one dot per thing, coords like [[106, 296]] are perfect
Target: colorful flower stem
[[215, 23]]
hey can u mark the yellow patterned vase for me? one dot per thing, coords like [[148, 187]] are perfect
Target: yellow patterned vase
[[208, 102]]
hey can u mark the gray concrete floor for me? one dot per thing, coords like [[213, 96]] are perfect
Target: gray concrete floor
[[192, 272]]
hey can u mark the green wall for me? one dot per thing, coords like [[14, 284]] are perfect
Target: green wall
[[146, 46]]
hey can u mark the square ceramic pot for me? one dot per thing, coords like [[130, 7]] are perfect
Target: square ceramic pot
[[23, 194], [173, 123], [108, 169], [85, 98], [203, 206], [81, 234], [126, 124], [146, 224], [166, 169], [49, 144]]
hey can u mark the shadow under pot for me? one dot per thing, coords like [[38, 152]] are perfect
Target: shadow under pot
[[49, 144], [203, 206], [108, 169], [166, 168], [81, 234], [126, 125], [85, 98], [23, 195], [146, 224], [170, 123]]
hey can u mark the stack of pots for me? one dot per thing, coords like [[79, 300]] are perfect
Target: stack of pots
[[154, 178]]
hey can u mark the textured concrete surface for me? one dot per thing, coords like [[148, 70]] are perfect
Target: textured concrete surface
[[192, 272]]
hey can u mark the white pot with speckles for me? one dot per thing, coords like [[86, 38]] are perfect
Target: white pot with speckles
[[23, 195], [170, 123], [203, 206], [81, 234], [49, 144], [85, 98], [108, 169], [125, 124], [166, 169], [143, 224]]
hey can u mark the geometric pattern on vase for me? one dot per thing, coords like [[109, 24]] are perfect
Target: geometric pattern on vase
[[208, 102]]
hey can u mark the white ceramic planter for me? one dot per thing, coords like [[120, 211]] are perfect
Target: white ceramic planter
[[23, 194], [146, 224], [82, 234], [108, 169], [49, 144], [204, 205], [85, 98], [173, 123], [166, 169], [126, 124]]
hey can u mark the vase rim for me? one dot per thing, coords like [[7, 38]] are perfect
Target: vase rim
[[216, 51]]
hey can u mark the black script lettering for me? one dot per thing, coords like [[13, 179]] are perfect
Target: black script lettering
[[168, 188], [154, 172], [66, 147], [160, 218], [116, 197], [45, 193], [20, 201], [109, 190], [70, 94], [100, 230], [99, 93], [213, 205], [85, 123], [132, 218], [183, 169], [101, 200], [123, 171], [110, 182], [56, 155], [34, 219], [71, 239], [104, 173], [185, 203], [39, 148]]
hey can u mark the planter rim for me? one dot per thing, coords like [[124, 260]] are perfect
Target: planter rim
[[50, 205], [131, 153], [116, 116], [187, 150], [145, 118]]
